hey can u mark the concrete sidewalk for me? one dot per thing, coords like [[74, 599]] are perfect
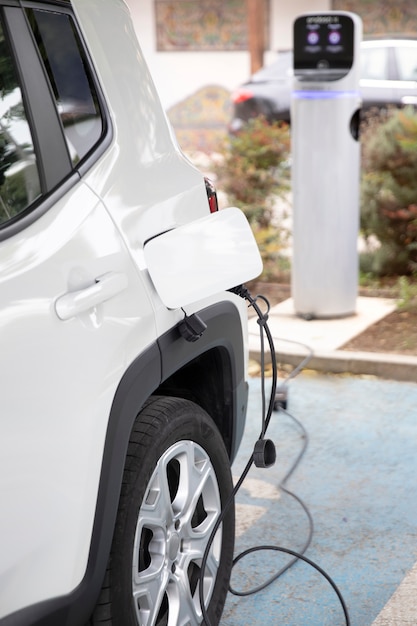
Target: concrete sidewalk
[[295, 337]]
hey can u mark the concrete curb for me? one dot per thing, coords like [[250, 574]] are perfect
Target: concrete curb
[[389, 366]]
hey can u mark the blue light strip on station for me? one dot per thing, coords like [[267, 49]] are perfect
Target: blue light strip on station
[[324, 95]]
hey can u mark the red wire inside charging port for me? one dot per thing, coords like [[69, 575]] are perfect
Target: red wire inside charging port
[[211, 196]]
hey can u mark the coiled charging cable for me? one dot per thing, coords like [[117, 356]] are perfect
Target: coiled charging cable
[[264, 455]]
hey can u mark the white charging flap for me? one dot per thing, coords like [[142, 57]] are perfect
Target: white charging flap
[[199, 259]]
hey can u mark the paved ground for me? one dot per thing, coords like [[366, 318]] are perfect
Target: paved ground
[[326, 338], [325, 334], [358, 478]]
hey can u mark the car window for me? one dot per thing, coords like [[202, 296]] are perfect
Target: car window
[[407, 62], [70, 80], [280, 69], [374, 64], [19, 177]]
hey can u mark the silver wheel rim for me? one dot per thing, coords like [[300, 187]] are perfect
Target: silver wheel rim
[[179, 510]]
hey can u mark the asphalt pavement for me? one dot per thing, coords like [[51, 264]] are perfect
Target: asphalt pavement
[[356, 479]]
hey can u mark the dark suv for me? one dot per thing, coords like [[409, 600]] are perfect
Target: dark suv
[[388, 77], [123, 351]]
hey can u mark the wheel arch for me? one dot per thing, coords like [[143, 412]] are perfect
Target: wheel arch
[[210, 371]]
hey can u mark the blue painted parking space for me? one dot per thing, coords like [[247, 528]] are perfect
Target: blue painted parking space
[[358, 480]]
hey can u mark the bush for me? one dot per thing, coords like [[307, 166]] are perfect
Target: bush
[[254, 168], [253, 171], [389, 191]]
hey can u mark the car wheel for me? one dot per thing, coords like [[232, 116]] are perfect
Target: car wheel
[[177, 478]]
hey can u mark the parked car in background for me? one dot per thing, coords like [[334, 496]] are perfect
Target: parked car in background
[[388, 77], [123, 351]]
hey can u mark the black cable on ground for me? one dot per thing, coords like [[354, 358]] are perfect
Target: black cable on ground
[[243, 292], [300, 557], [282, 486]]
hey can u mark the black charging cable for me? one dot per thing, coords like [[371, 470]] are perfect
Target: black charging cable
[[264, 456], [282, 486]]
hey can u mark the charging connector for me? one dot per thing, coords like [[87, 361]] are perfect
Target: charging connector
[[264, 454], [192, 327], [281, 397]]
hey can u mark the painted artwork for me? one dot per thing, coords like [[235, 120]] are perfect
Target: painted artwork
[[382, 18], [201, 25], [200, 121]]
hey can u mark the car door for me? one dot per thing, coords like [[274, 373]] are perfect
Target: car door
[[73, 314]]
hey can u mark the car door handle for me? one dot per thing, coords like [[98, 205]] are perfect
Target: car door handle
[[106, 286]]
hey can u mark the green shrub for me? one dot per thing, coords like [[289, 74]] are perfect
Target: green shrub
[[275, 264], [389, 191], [253, 172], [407, 294]]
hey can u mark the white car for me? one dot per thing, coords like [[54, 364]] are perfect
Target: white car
[[388, 78], [123, 351]]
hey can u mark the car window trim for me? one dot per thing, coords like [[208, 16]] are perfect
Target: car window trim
[[64, 6], [51, 151], [51, 193]]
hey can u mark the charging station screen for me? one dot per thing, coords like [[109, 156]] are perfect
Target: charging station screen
[[323, 44]]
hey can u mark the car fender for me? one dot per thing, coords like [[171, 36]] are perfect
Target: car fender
[[145, 375]]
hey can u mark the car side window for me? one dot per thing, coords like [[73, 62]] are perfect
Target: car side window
[[71, 82], [407, 63], [374, 64], [19, 177]]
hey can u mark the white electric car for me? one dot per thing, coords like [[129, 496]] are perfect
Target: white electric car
[[123, 350]]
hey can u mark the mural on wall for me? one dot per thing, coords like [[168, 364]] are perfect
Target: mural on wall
[[203, 25], [200, 121], [380, 18]]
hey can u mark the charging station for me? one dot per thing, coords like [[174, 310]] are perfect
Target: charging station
[[325, 115]]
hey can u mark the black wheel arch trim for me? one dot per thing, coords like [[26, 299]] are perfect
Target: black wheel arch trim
[[224, 335], [170, 353]]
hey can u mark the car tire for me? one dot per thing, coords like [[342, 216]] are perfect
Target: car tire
[[176, 481]]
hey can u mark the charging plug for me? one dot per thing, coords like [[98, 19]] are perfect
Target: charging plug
[[281, 397], [192, 327], [264, 453]]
